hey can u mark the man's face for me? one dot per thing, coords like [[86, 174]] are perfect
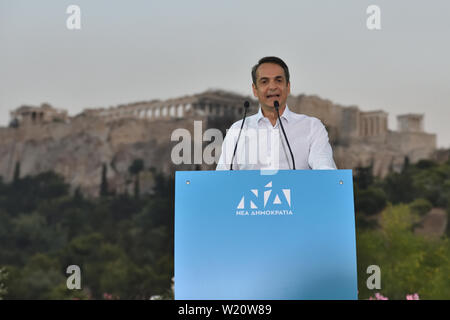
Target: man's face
[[271, 85]]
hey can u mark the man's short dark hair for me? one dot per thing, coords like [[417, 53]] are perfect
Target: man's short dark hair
[[275, 60]]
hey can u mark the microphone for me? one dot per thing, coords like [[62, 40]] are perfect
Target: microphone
[[276, 104], [246, 105]]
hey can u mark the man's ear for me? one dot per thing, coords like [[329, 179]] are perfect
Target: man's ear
[[288, 88], [254, 90]]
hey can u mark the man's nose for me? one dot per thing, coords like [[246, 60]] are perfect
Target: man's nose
[[272, 85]]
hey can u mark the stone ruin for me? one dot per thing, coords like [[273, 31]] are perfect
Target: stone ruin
[[44, 138]]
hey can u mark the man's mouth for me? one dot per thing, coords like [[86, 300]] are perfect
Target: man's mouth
[[273, 96]]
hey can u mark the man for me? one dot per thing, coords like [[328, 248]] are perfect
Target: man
[[262, 144]]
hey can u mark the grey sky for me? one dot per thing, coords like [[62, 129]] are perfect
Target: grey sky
[[134, 50]]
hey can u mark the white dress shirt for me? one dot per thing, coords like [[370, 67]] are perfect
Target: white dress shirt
[[263, 146]]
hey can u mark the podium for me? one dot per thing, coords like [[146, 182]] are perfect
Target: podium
[[256, 235]]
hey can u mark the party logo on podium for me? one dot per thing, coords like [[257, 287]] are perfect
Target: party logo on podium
[[265, 202]]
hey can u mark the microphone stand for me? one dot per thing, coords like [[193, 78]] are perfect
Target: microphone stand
[[246, 105], [276, 104]]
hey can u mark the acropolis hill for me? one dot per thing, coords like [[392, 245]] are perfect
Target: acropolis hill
[[43, 138]]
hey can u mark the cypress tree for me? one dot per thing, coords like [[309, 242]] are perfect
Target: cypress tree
[[16, 172], [104, 183]]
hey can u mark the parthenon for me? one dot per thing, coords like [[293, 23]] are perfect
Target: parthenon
[[210, 103]]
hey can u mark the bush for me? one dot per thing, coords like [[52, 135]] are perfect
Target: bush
[[421, 206], [408, 263]]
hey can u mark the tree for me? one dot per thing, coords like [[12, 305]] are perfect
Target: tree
[[408, 263], [421, 206], [135, 168], [399, 187], [123, 245], [406, 165], [16, 172], [36, 279], [433, 184], [370, 201], [3, 278], [363, 177], [104, 182]]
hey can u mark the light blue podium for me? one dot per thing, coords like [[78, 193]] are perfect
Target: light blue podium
[[252, 235]]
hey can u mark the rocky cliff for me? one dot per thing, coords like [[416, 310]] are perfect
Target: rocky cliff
[[79, 147]]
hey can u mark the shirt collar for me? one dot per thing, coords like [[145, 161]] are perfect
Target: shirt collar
[[287, 114]]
